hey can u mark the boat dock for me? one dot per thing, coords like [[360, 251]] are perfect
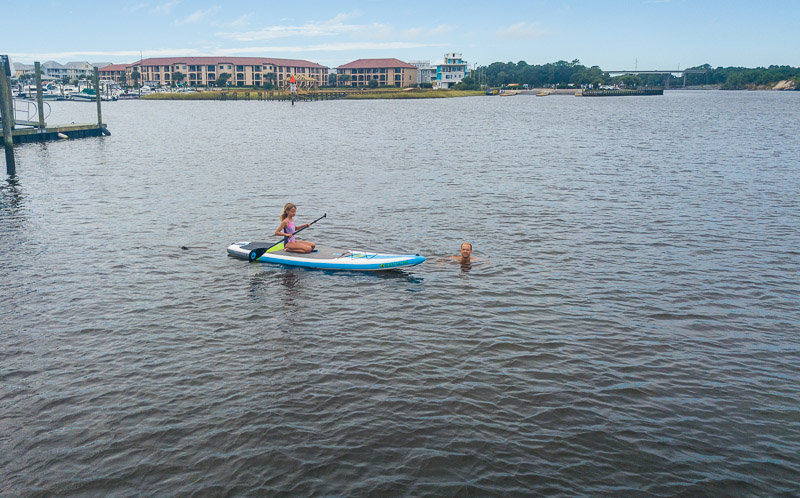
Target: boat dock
[[17, 131], [620, 92], [58, 132]]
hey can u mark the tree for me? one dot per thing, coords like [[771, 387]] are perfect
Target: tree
[[177, 77], [332, 80], [123, 79], [135, 75], [223, 79], [271, 79], [344, 78], [373, 83]]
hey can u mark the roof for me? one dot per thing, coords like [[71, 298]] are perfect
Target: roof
[[241, 61], [376, 63], [114, 67]]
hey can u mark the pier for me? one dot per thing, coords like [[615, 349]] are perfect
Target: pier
[[620, 92], [25, 131]]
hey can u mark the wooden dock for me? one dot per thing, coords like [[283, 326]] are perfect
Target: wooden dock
[[59, 132], [621, 92], [38, 131]]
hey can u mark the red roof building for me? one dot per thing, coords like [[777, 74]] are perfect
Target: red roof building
[[241, 71], [388, 72], [113, 72]]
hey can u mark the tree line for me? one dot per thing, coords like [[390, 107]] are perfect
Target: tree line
[[564, 74]]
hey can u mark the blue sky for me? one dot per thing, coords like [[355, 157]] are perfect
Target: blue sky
[[612, 34]]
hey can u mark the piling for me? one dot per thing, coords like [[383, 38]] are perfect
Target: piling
[[98, 97], [39, 99], [7, 107]]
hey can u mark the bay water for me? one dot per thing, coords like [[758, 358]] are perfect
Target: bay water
[[630, 326]]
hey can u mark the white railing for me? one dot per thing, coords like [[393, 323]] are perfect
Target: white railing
[[26, 112]]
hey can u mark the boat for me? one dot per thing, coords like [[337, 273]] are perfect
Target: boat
[[323, 258], [543, 93]]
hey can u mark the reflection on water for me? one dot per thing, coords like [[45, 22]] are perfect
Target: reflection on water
[[290, 281]]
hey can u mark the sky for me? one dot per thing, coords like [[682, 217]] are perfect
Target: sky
[[611, 34]]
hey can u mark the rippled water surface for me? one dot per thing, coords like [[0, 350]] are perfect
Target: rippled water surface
[[631, 325]]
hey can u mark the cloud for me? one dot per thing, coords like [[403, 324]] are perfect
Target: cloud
[[239, 22], [197, 16], [165, 8], [326, 47], [522, 31], [134, 8], [428, 32], [331, 27], [129, 56]]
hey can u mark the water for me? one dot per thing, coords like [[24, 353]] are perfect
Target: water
[[631, 326]]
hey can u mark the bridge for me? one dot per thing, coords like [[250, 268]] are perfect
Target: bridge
[[666, 72]]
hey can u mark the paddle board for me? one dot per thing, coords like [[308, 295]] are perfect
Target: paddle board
[[325, 258]]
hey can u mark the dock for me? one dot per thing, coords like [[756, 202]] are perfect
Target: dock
[[620, 92], [58, 132], [38, 131]]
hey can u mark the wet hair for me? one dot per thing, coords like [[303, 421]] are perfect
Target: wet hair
[[286, 209], [462, 245]]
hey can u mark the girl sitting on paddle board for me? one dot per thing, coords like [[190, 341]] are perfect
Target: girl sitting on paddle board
[[288, 228]]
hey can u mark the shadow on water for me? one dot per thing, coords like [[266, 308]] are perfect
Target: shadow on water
[[11, 199], [262, 284]]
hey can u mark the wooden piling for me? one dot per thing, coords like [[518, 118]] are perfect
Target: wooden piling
[[39, 99], [98, 96], [7, 106]]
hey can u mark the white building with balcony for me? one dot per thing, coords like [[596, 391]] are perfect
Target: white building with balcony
[[451, 71]]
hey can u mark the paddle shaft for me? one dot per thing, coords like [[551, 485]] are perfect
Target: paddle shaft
[[257, 253]]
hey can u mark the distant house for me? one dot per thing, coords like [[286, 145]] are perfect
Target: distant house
[[451, 71], [56, 71], [425, 72], [388, 72]]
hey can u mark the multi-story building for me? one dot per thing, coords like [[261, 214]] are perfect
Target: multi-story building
[[241, 71], [55, 71], [425, 72], [388, 72], [114, 72], [451, 71]]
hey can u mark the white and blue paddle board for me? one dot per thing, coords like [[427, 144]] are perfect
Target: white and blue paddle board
[[325, 258]]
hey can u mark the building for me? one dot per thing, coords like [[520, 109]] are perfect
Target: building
[[241, 71], [425, 72], [52, 70], [451, 71], [114, 72], [388, 72]]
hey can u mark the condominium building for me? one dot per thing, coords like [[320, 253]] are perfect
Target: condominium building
[[241, 71], [425, 72], [451, 71], [114, 72], [388, 72]]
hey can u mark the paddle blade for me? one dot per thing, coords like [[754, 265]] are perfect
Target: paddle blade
[[256, 253]]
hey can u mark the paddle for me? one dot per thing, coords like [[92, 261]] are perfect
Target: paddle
[[257, 253]]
